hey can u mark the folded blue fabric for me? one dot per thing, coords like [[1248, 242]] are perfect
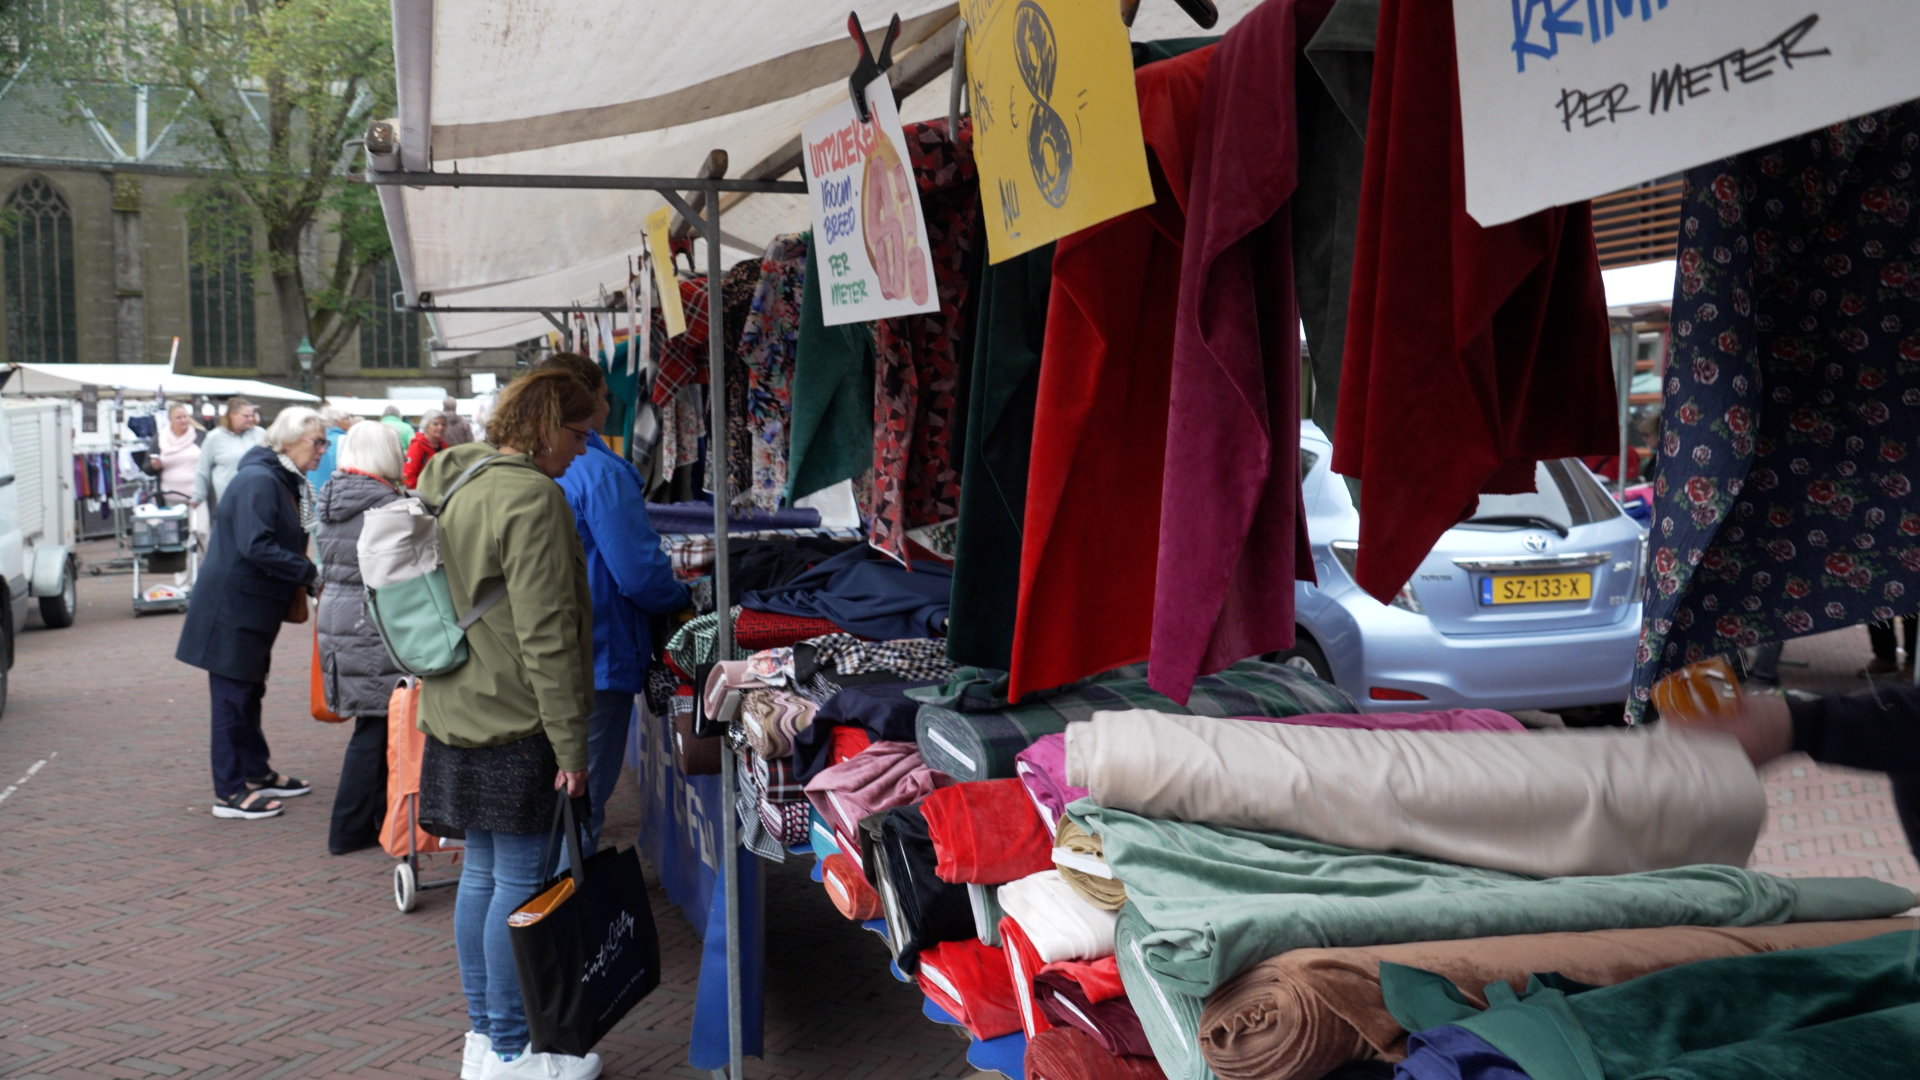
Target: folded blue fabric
[[697, 518], [866, 594], [1454, 1053]]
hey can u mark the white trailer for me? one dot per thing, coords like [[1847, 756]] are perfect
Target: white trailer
[[37, 560]]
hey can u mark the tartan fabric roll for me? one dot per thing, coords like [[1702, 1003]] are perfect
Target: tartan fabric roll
[[909, 658], [776, 781], [983, 745]]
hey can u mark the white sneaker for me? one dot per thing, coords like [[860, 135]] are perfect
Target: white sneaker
[[473, 1056], [530, 1066]]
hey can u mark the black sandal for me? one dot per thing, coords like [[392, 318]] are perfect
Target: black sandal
[[280, 785], [250, 806]]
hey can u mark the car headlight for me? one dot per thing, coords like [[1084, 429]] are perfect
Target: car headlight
[[1347, 553]]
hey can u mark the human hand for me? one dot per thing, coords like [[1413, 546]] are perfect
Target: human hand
[[1761, 722], [575, 783]]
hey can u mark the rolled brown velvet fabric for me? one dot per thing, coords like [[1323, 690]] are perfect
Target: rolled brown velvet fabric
[[1304, 1013], [1067, 1053]]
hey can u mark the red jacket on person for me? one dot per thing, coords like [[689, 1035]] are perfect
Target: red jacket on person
[[419, 452]]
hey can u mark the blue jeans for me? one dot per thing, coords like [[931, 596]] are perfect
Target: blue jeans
[[239, 748], [606, 747], [499, 872]]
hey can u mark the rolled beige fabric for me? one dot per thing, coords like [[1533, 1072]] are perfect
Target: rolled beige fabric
[[1105, 893], [1300, 1015]]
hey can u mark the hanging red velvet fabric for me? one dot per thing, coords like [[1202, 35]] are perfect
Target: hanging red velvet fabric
[[1471, 353], [1092, 526]]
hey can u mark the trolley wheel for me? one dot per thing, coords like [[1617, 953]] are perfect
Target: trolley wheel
[[406, 887], [57, 611]]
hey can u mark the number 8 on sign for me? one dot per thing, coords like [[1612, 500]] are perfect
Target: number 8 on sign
[[1049, 144]]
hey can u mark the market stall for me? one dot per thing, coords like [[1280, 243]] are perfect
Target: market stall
[[1021, 721]]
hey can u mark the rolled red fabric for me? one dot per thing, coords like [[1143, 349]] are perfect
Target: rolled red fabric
[[1109, 1019], [847, 887], [1098, 979], [847, 741], [766, 630], [969, 980], [1067, 1053], [1023, 963], [986, 833]]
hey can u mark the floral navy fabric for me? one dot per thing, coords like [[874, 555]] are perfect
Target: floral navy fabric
[[1791, 443]]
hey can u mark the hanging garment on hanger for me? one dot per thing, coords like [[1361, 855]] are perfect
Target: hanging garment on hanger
[[683, 359], [831, 429], [1784, 501], [767, 345], [1471, 353], [1009, 332], [736, 297], [916, 476], [1092, 528], [1331, 104], [1233, 529]]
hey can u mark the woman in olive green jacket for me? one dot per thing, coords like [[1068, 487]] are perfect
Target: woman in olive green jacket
[[509, 727]]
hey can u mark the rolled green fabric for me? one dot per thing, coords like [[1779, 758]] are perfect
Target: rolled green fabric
[[1170, 1018], [1220, 900]]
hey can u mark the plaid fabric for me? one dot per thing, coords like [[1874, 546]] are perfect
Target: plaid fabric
[[776, 780], [683, 359], [691, 554], [982, 745], [909, 658], [768, 630]]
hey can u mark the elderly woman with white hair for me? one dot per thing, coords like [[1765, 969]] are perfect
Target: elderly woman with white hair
[[256, 575], [357, 673], [430, 440]]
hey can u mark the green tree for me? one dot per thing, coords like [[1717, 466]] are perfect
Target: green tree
[[273, 90]]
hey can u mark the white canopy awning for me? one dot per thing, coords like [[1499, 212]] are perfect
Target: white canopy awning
[[644, 88], [141, 380]]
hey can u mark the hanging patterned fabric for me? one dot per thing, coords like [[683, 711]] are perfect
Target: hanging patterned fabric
[[1784, 499], [683, 359], [736, 298], [767, 348], [916, 477]]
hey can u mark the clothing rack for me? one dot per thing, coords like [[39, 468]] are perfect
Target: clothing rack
[[386, 171]]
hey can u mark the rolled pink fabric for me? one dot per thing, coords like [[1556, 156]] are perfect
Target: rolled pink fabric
[[881, 777], [1042, 767], [1439, 720]]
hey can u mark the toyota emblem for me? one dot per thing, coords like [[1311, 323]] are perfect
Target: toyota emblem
[[1535, 543]]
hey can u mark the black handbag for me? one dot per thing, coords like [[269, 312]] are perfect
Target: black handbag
[[585, 946]]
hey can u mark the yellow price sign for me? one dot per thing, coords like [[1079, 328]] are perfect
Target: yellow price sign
[[1056, 122], [669, 286]]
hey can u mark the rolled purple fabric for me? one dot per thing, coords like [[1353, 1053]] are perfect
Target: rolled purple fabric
[[1042, 767], [881, 777]]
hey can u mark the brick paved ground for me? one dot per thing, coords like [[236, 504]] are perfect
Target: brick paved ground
[[140, 937]]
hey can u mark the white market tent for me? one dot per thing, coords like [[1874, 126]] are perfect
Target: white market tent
[[144, 380], [647, 88], [409, 407]]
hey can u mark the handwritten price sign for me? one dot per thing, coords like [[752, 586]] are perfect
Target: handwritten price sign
[[868, 231], [1056, 123], [1562, 100]]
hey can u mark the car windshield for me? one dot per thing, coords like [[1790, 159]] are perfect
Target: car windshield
[[1565, 496]]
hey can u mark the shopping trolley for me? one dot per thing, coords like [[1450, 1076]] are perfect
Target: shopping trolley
[[401, 835]]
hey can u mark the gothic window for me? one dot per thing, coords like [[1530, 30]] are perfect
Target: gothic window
[[220, 288], [37, 253], [389, 339]]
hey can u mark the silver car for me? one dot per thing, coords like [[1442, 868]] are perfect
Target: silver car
[[1532, 603]]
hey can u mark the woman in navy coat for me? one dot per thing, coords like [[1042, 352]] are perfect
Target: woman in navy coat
[[256, 562]]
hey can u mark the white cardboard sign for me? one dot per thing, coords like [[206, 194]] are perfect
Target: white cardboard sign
[[869, 236], [1562, 100]]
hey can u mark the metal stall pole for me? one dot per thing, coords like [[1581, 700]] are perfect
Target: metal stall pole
[[1623, 364]]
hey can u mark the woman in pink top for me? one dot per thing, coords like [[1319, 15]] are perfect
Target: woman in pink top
[[178, 457]]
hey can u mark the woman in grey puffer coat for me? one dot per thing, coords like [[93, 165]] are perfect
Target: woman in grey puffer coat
[[356, 671]]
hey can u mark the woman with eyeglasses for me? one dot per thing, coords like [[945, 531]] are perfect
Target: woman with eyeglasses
[[256, 564], [509, 727]]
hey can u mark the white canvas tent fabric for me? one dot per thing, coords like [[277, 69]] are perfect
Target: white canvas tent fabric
[[644, 88], [142, 380]]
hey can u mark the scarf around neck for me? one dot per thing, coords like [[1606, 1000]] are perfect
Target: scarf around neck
[[307, 518]]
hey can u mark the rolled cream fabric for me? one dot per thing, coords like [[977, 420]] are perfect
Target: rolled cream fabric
[[1060, 924], [1304, 1013], [1082, 852], [1554, 804]]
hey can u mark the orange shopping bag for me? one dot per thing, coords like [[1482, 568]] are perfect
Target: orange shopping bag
[[317, 693], [405, 743]]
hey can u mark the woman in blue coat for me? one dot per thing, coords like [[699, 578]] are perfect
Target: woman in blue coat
[[256, 562], [630, 578]]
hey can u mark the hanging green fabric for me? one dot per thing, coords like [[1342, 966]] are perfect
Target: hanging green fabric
[[1831, 1013], [625, 387], [1005, 382], [832, 427]]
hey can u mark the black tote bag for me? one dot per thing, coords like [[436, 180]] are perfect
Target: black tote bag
[[593, 955]]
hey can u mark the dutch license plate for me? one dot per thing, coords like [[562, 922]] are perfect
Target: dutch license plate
[[1535, 588]]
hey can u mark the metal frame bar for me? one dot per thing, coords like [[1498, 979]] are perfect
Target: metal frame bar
[[666, 185]]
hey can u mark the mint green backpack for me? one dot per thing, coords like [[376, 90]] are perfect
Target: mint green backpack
[[407, 595]]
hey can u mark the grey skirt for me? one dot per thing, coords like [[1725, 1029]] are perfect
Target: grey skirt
[[506, 788]]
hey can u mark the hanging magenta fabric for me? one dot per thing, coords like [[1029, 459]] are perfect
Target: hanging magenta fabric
[[1092, 525], [1471, 353], [1233, 529]]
